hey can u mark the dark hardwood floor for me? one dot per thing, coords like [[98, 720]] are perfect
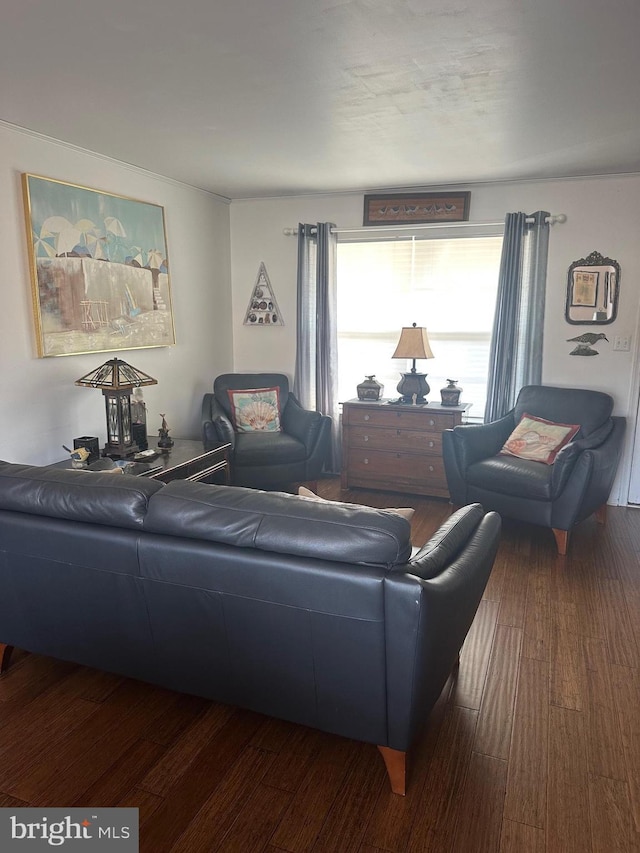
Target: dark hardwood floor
[[535, 747]]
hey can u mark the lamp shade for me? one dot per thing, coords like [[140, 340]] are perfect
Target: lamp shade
[[413, 343], [116, 375]]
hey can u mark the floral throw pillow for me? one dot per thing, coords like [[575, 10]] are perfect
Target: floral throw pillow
[[538, 440], [256, 409]]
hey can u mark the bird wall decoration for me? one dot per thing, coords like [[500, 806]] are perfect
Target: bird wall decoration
[[585, 343]]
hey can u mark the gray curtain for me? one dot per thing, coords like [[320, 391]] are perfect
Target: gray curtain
[[516, 343], [316, 372]]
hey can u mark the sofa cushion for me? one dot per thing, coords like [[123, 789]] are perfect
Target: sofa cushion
[[255, 409], [509, 475], [267, 448], [446, 543], [406, 512], [96, 498], [274, 521], [538, 439]]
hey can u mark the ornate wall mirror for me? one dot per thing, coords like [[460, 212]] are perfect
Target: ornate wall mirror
[[592, 290]]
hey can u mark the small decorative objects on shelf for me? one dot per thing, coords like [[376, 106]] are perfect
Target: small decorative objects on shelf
[[164, 439], [370, 389], [263, 309], [450, 394]]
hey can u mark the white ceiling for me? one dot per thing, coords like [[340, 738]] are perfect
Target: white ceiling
[[250, 98]]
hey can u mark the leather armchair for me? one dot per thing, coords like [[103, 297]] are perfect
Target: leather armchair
[[267, 460], [558, 496]]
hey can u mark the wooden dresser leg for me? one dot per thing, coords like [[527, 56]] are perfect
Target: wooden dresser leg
[[601, 514], [396, 764], [562, 540], [5, 655]]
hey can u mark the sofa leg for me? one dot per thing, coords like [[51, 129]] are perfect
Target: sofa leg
[[562, 540], [5, 656], [601, 514], [396, 763]]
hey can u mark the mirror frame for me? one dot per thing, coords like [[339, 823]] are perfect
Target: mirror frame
[[595, 259]]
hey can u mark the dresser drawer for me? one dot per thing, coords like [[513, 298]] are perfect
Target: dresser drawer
[[422, 419], [396, 439], [396, 468]]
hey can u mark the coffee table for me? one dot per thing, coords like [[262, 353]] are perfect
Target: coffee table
[[186, 460]]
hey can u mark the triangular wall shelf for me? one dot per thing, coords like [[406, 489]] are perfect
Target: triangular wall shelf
[[263, 309]]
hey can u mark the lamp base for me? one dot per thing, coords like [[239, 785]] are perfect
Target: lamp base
[[120, 451], [413, 384]]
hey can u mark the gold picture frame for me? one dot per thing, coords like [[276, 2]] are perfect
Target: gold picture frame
[[416, 208], [99, 269]]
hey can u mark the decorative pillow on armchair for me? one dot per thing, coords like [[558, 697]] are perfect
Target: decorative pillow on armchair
[[538, 440], [255, 409]]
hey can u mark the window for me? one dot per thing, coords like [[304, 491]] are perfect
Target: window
[[448, 285]]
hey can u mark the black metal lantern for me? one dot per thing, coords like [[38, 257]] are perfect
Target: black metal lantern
[[117, 379]]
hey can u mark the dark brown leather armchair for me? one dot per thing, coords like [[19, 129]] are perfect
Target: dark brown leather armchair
[[556, 496], [267, 460]]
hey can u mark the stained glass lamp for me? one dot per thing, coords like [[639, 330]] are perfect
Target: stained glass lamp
[[117, 379]]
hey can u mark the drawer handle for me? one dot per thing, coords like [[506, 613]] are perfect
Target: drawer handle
[[366, 438], [432, 444], [367, 417], [431, 468], [366, 461], [432, 422]]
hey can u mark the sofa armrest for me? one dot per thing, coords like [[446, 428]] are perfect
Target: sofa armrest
[[568, 455], [216, 426], [426, 624], [473, 442], [301, 423], [590, 480], [446, 543]]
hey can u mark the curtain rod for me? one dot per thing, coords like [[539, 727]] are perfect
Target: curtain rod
[[551, 220]]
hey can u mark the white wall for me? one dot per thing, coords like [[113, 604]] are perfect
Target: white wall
[[601, 215], [41, 407]]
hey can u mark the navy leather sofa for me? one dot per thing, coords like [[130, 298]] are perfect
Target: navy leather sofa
[[309, 611]]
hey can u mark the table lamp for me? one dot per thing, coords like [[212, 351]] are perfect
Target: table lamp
[[117, 379], [413, 344]]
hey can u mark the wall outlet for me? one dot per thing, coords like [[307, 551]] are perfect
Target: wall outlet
[[622, 343]]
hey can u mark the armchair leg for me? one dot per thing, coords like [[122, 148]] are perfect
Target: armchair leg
[[5, 657], [396, 763], [562, 540], [601, 514]]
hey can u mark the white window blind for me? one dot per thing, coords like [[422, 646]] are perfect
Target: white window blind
[[446, 284]]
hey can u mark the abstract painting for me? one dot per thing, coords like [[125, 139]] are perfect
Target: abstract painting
[[99, 269]]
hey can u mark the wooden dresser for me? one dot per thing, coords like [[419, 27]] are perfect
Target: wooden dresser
[[396, 447]]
